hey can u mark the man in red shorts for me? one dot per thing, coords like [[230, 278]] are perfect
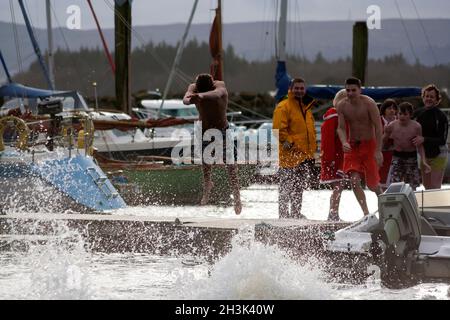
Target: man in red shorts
[[362, 149]]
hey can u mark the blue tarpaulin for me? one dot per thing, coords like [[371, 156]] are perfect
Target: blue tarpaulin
[[376, 93], [282, 81], [15, 90]]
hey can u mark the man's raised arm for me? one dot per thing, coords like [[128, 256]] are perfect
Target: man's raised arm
[[189, 93], [217, 93]]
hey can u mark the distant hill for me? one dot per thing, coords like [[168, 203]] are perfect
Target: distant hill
[[255, 40]]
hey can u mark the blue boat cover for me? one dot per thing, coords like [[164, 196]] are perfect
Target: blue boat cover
[[16, 90], [282, 80]]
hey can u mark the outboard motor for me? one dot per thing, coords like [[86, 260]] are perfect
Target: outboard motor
[[396, 239], [51, 107]]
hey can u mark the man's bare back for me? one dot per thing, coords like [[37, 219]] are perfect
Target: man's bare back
[[402, 135], [211, 105]]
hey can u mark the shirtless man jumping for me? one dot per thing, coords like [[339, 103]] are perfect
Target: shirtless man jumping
[[362, 150], [211, 99]]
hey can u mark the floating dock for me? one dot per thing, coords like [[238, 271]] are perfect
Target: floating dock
[[209, 237]]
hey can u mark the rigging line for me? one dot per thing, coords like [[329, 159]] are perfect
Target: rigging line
[[137, 35], [16, 37], [262, 33], [141, 40], [59, 27], [179, 72], [409, 39], [425, 33], [302, 46], [13, 67], [247, 109], [265, 33], [275, 28], [31, 21]]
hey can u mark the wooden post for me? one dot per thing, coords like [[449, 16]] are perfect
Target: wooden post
[[360, 49], [122, 24]]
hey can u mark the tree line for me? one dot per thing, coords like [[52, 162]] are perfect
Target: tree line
[[249, 82]]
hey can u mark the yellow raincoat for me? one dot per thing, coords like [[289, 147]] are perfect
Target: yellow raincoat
[[296, 125]]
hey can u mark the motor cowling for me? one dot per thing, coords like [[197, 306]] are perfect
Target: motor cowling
[[396, 238]]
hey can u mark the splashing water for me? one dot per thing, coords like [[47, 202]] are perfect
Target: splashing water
[[58, 267], [252, 270]]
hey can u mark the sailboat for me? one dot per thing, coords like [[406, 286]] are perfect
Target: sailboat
[[41, 167]]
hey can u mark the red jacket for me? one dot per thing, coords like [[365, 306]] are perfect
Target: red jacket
[[332, 155]]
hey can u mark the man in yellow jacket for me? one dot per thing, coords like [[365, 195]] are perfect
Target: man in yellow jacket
[[297, 144]]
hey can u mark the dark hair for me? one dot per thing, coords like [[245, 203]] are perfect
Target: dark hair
[[353, 80], [432, 87], [406, 107], [204, 82], [386, 104], [296, 80]]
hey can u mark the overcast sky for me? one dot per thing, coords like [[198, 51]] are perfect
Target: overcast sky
[[148, 12]]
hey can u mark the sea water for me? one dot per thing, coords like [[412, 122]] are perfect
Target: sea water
[[63, 268]]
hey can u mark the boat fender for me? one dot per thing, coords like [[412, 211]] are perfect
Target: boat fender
[[86, 137], [21, 127], [80, 139]]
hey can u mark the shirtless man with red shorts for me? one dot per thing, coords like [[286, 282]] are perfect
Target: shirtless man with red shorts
[[362, 149]]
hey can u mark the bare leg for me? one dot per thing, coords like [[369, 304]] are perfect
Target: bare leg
[[284, 193], [337, 187], [376, 189], [436, 177], [207, 184], [234, 182], [359, 192], [426, 180]]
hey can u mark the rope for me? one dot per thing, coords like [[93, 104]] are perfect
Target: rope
[[425, 33], [302, 47], [16, 36], [408, 37], [60, 29], [183, 76]]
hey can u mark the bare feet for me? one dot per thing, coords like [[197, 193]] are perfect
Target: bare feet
[[206, 192]]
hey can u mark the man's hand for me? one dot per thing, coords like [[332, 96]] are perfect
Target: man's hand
[[195, 98], [346, 147], [418, 140], [287, 145], [426, 167], [379, 158]]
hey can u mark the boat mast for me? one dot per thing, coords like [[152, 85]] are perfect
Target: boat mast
[[51, 62], [281, 45], [35, 45], [282, 79], [122, 38], [177, 59]]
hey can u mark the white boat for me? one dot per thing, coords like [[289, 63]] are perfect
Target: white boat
[[132, 143], [44, 168], [407, 240]]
